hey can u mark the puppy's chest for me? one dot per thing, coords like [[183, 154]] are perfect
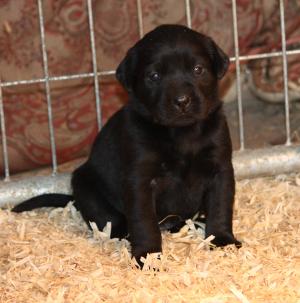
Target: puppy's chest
[[187, 158], [179, 188], [185, 173], [187, 170]]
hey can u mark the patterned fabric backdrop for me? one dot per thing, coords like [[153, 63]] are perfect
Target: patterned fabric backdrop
[[67, 39]]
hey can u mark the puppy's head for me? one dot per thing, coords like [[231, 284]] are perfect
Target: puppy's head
[[172, 73]]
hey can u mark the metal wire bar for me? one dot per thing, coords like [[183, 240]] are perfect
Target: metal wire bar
[[238, 76], [95, 69], [285, 75], [4, 139], [47, 87], [188, 13], [140, 18], [266, 55], [112, 72], [56, 78], [16, 191]]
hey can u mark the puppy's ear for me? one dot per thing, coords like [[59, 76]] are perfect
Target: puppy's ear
[[220, 60], [125, 70]]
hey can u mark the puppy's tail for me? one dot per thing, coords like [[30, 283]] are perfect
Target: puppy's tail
[[45, 200]]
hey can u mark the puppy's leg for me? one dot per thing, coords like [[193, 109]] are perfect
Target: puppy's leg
[[145, 236], [92, 201], [94, 208], [220, 208]]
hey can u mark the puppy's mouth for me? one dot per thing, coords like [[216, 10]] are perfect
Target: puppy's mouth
[[178, 120], [184, 119]]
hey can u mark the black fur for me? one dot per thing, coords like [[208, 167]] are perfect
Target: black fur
[[168, 152], [53, 200]]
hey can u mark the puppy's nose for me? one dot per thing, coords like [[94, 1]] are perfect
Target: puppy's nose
[[182, 102]]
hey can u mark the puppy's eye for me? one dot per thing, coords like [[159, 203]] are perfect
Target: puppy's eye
[[154, 76], [198, 70]]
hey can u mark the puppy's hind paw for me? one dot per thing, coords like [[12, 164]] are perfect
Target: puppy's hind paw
[[224, 240], [151, 262], [147, 256]]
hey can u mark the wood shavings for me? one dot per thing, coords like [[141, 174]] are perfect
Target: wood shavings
[[50, 255], [238, 294], [7, 27]]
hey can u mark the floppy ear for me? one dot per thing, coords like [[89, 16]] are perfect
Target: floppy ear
[[125, 70], [220, 60]]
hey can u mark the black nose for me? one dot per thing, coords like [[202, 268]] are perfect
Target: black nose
[[182, 102]]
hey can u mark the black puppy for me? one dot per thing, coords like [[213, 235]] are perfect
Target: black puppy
[[167, 152]]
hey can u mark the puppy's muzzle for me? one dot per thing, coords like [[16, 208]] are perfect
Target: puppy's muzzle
[[182, 102]]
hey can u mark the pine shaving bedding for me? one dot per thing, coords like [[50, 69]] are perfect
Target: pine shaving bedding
[[50, 255]]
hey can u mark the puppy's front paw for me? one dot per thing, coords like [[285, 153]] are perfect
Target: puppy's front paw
[[141, 252], [226, 239]]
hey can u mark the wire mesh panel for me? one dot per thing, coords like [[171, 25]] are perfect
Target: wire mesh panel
[[246, 163], [95, 68], [3, 136], [47, 87]]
